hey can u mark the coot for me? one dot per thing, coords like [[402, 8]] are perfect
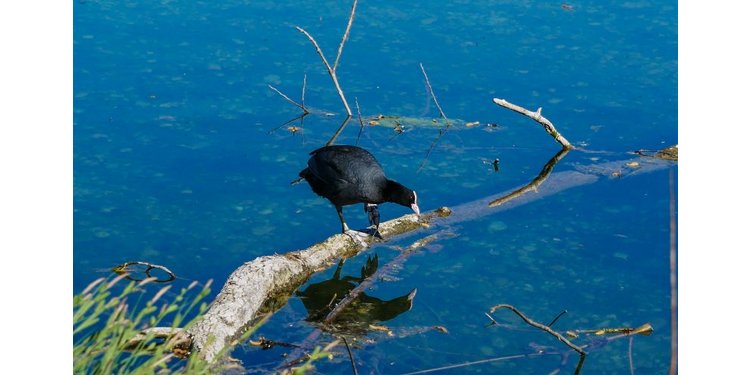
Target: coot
[[348, 175]]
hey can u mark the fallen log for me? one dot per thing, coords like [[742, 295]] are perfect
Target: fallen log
[[260, 287]]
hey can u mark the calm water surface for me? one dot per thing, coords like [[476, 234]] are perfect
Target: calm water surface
[[177, 162]]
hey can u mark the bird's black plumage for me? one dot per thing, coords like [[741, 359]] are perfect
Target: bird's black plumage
[[348, 175]]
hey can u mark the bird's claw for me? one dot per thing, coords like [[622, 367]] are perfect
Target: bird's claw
[[375, 232]]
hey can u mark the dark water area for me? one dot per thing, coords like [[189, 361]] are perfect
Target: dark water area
[[181, 159]]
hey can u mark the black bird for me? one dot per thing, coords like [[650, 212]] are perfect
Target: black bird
[[349, 174]]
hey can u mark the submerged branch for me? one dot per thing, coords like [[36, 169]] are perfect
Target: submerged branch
[[472, 363], [541, 326], [547, 329], [536, 116], [260, 287], [351, 356]]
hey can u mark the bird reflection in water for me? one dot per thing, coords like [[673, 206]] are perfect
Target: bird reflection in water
[[356, 318]]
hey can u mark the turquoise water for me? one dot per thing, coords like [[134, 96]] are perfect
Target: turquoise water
[[176, 162]]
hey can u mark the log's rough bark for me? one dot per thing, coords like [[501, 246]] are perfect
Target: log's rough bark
[[253, 289]]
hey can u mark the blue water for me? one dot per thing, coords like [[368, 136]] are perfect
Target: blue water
[[176, 161]]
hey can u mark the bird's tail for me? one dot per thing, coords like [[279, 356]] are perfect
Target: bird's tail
[[302, 174]]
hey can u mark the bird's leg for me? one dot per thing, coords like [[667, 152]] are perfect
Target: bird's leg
[[356, 236], [373, 214]]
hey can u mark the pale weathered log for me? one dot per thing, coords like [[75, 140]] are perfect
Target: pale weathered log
[[253, 289]]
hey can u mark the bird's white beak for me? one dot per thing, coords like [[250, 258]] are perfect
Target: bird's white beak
[[415, 208]]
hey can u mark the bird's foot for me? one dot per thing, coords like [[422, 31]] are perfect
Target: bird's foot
[[373, 231], [357, 236]]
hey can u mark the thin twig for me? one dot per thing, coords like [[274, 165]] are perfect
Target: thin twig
[[304, 85], [346, 35], [351, 356], [466, 364], [492, 319], [557, 317], [445, 118], [536, 116], [331, 71], [545, 329], [434, 98], [361, 123], [630, 356], [673, 272], [300, 117], [302, 107]]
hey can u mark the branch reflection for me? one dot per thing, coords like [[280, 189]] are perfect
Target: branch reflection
[[534, 184]]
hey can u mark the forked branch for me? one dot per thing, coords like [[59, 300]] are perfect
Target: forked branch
[[536, 116], [545, 329], [332, 69]]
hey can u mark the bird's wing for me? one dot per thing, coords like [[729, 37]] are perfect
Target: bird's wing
[[327, 171]]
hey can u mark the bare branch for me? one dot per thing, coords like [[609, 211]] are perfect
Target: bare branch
[[445, 118], [346, 35], [301, 106], [331, 72], [361, 123], [536, 116], [434, 98], [348, 349], [545, 329]]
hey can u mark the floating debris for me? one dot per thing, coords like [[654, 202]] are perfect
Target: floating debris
[[126, 269], [440, 329], [669, 153], [472, 124], [644, 330], [633, 164]]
